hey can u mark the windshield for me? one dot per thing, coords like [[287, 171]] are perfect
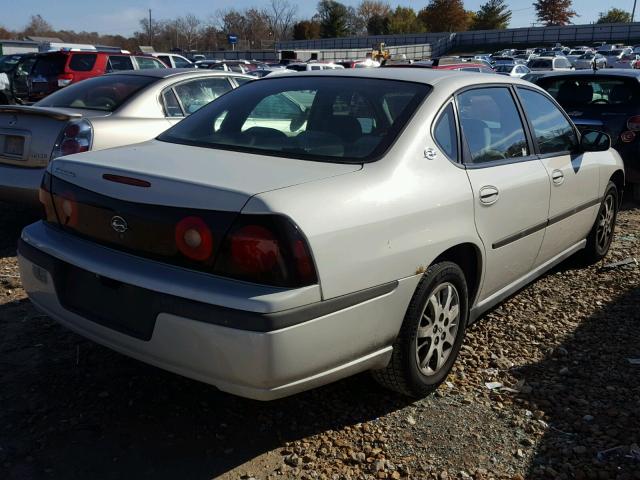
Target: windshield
[[541, 64], [316, 118], [105, 93], [49, 65], [8, 63], [597, 92]]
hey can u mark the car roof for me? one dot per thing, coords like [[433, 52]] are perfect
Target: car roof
[[171, 72], [454, 79]]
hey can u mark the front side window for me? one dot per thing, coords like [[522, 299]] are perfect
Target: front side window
[[445, 134], [491, 125], [82, 62], [197, 93], [316, 118], [553, 131]]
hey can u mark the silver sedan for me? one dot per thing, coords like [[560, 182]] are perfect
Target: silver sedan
[[108, 111]]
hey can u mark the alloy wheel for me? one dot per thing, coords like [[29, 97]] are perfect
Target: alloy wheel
[[438, 329], [606, 218]]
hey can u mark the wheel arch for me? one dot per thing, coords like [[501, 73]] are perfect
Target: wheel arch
[[618, 179], [468, 257]]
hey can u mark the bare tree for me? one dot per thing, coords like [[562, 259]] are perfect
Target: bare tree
[[37, 26], [188, 27], [280, 15]]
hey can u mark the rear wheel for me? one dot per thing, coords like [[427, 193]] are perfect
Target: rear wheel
[[431, 334], [601, 235]]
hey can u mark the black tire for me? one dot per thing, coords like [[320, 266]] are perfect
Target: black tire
[[403, 374], [597, 246]]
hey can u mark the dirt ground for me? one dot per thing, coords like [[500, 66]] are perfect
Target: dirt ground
[[547, 386]]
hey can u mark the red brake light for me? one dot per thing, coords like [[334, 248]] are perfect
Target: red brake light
[[194, 238], [628, 136], [633, 123], [72, 130], [135, 182], [254, 249], [71, 146], [304, 263]]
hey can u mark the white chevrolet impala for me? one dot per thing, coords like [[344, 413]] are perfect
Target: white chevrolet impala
[[304, 228]]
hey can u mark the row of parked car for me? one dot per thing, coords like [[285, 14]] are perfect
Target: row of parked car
[[268, 236]]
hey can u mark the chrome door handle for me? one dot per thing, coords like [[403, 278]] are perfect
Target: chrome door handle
[[558, 177], [489, 195]]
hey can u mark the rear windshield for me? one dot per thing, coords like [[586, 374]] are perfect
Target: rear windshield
[[49, 65], [317, 118], [101, 93], [580, 92], [541, 64]]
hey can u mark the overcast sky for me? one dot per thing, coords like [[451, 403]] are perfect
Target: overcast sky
[[121, 16]]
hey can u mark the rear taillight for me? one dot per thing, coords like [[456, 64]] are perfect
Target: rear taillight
[[67, 208], [194, 238], [266, 249], [75, 138], [633, 123], [64, 79], [44, 195], [628, 136]]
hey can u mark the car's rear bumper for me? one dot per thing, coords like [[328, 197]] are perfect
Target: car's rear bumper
[[226, 346], [19, 184]]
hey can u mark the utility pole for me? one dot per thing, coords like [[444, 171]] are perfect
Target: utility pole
[[150, 27], [633, 12]]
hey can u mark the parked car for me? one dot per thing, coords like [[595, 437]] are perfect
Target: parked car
[[549, 63], [55, 70], [172, 60], [17, 69], [607, 100], [111, 110], [587, 61], [311, 66], [573, 55], [512, 70], [202, 251], [616, 56]]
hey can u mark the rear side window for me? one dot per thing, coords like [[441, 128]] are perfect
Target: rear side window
[[491, 125], [119, 62], [541, 64], [197, 93], [82, 62], [445, 134], [166, 60], [49, 65], [553, 131], [242, 80], [171, 105]]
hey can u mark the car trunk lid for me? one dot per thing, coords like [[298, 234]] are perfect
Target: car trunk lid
[[28, 134], [189, 177]]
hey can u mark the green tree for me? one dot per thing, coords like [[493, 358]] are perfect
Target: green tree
[[378, 25], [444, 16], [306, 30], [493, 15], [404, 20], [554, 12], [614, 15], [333, 18]]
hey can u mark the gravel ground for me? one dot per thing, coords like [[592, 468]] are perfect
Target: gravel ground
[[544, 388]]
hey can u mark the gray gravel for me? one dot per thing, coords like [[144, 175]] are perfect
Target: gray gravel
[[544, 388]]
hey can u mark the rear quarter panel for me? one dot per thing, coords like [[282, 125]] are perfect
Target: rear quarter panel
[[386, 222], [116, 131]]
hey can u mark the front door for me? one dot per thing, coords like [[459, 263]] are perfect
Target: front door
[[510, 185]]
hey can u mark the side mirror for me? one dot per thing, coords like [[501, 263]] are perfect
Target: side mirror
[[594, 141]]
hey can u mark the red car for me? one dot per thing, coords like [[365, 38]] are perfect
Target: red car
[[54, 70]]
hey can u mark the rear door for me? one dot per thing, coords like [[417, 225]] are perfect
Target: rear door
[[85, 65], [574, 177], [117, 63], [510, 185]]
